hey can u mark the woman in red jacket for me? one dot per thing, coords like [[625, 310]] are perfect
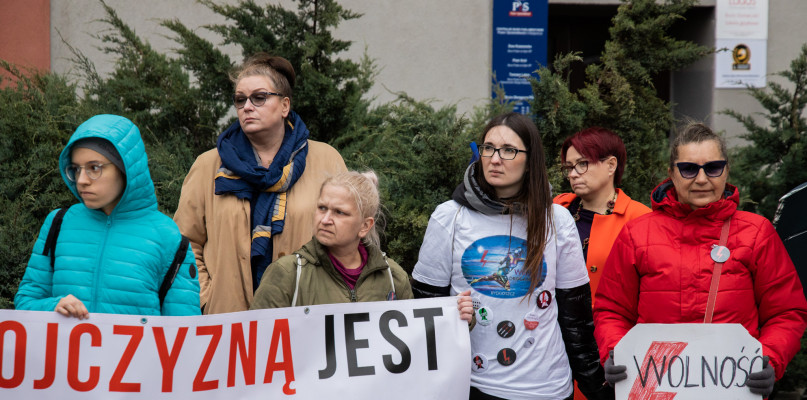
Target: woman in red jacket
[[672, 248], [593, 161]]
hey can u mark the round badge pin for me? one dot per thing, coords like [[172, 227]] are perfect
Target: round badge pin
[[506, 356], [529, 342], [506, 329], [544, 299], [720, 253], [483, 316], [531, 320], [479, 363]]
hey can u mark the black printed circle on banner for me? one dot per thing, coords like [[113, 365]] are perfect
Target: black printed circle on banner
[[506, 356], [506, 329], [544, 299]]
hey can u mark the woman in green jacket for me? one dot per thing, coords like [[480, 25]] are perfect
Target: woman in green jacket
[[343, 262]]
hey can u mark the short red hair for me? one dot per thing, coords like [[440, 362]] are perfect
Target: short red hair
[[597, 143]]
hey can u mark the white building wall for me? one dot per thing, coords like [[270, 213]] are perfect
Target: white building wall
[[437, 50]]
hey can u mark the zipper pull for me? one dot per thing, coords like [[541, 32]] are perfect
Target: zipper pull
[[353, 298]]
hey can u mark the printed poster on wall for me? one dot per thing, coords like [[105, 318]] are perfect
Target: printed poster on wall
[[741, 37], [519, 47], [743, 64], [741, 19], [687, 361], [399, 350]]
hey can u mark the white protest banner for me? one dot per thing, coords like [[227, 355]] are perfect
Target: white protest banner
[[412, 349], [687, 361]]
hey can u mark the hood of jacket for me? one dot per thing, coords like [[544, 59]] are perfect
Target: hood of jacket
[[665, 199], [125, 136]]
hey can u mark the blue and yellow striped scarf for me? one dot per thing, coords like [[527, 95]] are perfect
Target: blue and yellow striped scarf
[[242, 175]]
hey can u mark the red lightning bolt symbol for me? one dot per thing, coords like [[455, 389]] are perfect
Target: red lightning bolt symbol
[[660, 351]]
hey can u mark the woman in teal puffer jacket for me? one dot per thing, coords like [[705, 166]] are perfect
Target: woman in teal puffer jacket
[[114, 248]]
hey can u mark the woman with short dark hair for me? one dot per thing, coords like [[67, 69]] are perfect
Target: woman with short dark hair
[[593, 161]]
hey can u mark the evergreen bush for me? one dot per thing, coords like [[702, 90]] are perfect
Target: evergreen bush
[[774, 162], [38, 115], [180, 105], [619, 92]]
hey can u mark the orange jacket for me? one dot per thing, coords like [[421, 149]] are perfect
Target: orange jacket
[[604, 230]]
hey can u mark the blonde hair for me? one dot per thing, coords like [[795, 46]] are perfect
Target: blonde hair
[[363, 187], [277, 69]]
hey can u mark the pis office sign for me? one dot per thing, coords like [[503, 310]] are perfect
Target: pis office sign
[[519, 47]]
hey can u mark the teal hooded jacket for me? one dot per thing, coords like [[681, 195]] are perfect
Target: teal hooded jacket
[[113, 263]]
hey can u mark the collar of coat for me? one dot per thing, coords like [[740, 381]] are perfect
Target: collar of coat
[[316, 254], [665, 199]]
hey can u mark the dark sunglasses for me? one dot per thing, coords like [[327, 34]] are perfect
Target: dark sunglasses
[[712, 169]]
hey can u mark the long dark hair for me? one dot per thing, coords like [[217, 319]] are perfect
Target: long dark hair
[[534, 199]]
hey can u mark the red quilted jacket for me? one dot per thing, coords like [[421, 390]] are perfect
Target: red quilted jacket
[[663, 259]]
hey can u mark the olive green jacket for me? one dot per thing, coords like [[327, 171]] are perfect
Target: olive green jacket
[[321, 283]]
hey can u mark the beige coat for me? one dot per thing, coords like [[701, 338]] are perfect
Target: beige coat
[[219, 227]]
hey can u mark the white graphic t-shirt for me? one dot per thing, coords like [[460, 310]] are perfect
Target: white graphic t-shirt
[[517, 348]]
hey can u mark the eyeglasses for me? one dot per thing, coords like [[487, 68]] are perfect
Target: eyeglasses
[[93, 171], [581, 167], [257, 98], [505, 153], [712, 169]]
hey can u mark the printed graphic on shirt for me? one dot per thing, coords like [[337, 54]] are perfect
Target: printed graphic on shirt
[[479, 363], [544, 300], [493, 266]]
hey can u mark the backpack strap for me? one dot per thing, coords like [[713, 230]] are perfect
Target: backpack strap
[[297, 282], [53, 234], [173, 269], [391, 280]]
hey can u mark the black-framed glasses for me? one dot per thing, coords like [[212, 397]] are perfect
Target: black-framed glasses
[[93, 170], [712, 169], [505, 153], [257, 99]]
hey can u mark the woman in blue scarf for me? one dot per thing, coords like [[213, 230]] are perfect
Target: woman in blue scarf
[[252, 198]]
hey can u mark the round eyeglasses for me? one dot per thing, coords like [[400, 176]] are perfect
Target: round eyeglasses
[[93, 170], [257, 99], [581, 167]]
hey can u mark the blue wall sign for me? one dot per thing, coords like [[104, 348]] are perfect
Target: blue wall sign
[[519, 46]]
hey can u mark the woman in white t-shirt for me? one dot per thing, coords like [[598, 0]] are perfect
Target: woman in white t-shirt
[[501, 237]]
